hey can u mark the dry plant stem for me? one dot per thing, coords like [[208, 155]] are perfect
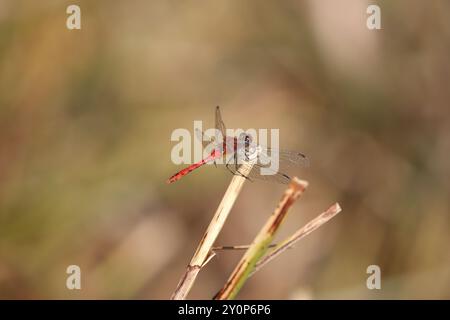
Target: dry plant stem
[[203, 253], [311, 226], [262, 241], [240, 247]]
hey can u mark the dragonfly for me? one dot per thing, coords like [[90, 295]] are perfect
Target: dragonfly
[[241, 152]]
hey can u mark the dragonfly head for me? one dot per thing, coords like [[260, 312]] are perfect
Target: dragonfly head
[[246, 146], [245, 140]]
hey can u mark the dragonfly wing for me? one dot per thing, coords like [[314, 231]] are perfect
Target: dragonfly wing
[[219, 123], [285, 157], [266, 175], [204, 138], [263, 168]]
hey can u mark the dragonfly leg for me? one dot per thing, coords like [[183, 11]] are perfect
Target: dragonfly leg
[[235, 172], [235, 162], [237, 167], [229, 167]]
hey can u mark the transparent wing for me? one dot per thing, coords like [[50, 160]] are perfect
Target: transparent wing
[[270, 175], [209, 143], [205, 139], [219, 122], [265, 169], [286, 158]]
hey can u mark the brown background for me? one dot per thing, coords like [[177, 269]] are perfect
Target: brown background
[[86, 118]]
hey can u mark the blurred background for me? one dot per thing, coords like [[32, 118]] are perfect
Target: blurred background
[[86, 118]]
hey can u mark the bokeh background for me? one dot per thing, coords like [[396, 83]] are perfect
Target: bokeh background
[[85, 123]]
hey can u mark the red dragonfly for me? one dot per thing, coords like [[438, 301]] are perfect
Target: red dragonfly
[[239, 152]]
